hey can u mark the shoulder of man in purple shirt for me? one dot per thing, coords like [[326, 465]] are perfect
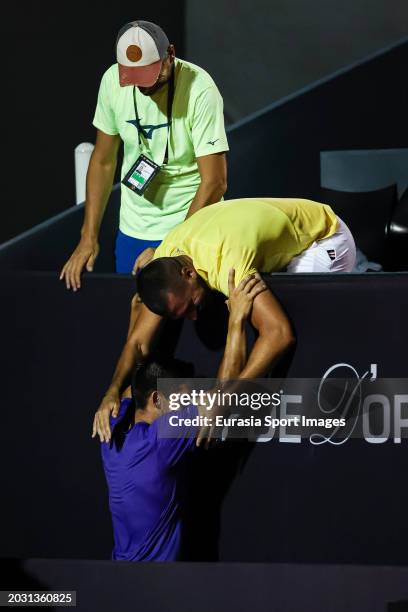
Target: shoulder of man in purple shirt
[[143, 474]]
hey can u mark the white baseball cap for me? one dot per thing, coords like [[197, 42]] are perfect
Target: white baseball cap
[[141, 46]]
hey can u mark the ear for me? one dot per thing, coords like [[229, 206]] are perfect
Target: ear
[[156, 399], [171, 53], [188, 273]]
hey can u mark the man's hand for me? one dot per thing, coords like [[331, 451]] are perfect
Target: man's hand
[[84, 255], [207, 433], [241, 298], [101, 426], [144, 258]]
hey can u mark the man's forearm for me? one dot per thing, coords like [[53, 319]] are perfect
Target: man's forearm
[[130, 355], [266, 352], [209, 192], [99, 181], [234, 357]]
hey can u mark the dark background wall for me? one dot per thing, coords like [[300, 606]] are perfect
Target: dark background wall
[[271, 48], [257, 52], [290, 502], [56, 58], [363, 108], [49, 395]]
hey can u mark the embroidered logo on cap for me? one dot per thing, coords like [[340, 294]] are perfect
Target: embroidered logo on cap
[[134, 53]]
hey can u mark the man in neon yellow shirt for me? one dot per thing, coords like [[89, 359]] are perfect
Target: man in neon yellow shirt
[[169, 111], [249, 235]]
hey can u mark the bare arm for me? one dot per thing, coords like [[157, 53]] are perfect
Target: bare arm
[[239, 304], [99, 180], [213, 173], [138, 345], [234, 358], [275, 335]]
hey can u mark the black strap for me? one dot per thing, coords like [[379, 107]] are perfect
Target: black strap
[[170, 99]]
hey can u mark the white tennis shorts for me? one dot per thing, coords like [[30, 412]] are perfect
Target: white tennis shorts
[[334, 254]]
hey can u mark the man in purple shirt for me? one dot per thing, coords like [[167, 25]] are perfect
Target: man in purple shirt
[[143, 466]]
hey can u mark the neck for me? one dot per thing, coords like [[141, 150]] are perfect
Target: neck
[[142, 416]]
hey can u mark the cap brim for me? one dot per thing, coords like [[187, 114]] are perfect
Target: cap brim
[[143, 76]]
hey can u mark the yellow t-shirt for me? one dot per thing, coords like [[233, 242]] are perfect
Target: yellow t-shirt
[[248, 234]]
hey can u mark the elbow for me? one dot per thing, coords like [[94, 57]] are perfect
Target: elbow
[[144, 350], [222, 188], [139, 349], [285, 337], [141, 352], [217, 187], [136, 303], [105, 162]]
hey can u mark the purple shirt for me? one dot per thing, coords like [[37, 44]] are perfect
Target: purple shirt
[[144, 486]]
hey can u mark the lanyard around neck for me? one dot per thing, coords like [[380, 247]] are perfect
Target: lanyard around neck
[[170, 99]]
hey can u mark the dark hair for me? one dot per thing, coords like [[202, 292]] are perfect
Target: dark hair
[[155, 280], [143, 383]]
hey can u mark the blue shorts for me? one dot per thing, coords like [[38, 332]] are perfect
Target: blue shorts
[[127, 250]]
